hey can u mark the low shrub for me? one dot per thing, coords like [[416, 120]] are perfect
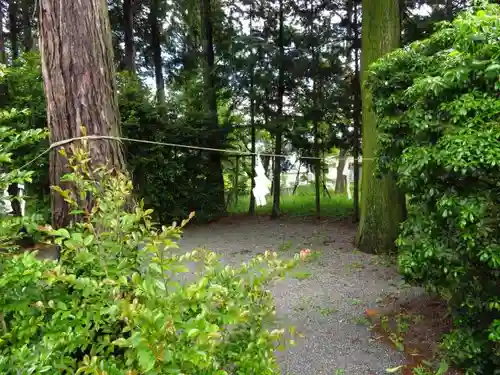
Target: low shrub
[[439, 121], [122, 299]]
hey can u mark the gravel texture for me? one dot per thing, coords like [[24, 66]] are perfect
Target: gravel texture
[[325, 299]]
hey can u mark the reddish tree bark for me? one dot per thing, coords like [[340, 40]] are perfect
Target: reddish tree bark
[[78, 72]]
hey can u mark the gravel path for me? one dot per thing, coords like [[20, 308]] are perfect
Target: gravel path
[[325, 298]]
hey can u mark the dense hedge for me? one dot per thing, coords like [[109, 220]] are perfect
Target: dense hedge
[[438, 108]]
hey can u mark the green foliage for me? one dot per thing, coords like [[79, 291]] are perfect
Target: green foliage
[[438, 110], [172, 181], [11, 141], [24, 102], [123, 300]]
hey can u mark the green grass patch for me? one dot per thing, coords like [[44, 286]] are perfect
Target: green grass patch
[[301, 275], [327, 311], [302, 203]]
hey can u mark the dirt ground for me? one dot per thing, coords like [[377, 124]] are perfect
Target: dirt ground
[[328, 300]]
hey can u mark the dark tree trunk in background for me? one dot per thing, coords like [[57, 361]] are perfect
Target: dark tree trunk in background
[[128, 31], [251, 208], [78, 72], [13, 189], [3, 55], [356, 90], [13, 29], [357, 129], [156, 46], [317, 113], [27, 26], [317, 171], [215, 177], [448, 10], [278, 140]]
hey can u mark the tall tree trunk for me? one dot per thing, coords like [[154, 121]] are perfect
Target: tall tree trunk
[[317, 171], [215, 178], [13, 189], [156, 46], [27, 30], [128, 30], [382, 205], [356, 89], [78, 72], [448, 10], [340, 182], [3, 55], [317, 113], [251, 208], [357, 129], [278, 140], [13, 29], [266, 160], [15, 203]]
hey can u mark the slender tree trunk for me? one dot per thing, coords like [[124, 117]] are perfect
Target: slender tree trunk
[[316, 116], [251, 208], [356, 89], [236, 180], [15, 203], [357, 128], [448, 10], [156, 46], [297, 178], [78, 72], [128, 30], [215, 177], [382, 205], [13, 29], [278, 140], [317, 171], [3, 55], [266, 162], [340, 182], [27, 30], [13, 189]]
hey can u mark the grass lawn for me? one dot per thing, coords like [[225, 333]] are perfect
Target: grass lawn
[[302, 203]]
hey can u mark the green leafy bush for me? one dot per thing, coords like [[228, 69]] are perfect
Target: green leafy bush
[[438, 107], [117, 301]]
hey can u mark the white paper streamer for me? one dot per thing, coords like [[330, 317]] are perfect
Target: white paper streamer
[[262, 183]]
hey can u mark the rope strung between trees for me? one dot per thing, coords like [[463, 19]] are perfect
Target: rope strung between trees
[[120, 139]]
